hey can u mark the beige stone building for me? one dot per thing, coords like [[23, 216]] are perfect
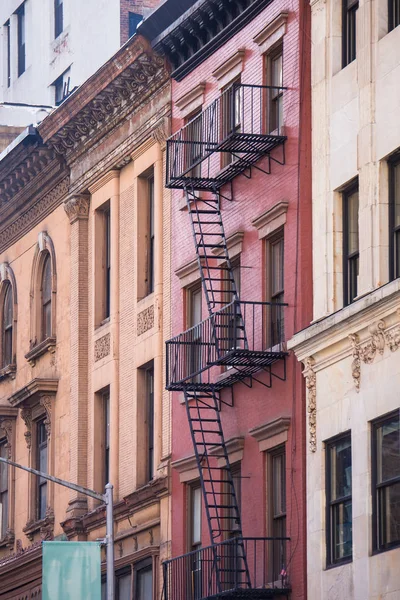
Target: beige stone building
[[84, 305], [350, 351]]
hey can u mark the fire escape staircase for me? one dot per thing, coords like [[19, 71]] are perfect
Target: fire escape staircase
[[222, 339]]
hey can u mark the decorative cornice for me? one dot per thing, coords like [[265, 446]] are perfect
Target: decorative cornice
[[35, 389], [272, 219], [272, 32], [48, 345], [270, 429], [103, 180], [311, 385], [188, 463], [230, 68], [187, 269], [77, 207], [192, 99], [234, 244], [26, 415]]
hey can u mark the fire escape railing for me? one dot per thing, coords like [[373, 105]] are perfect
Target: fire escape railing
[[220, 340], [244, 124], [211, 572]]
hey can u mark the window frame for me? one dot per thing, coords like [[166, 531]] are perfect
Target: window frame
[[192, 487], [7, 25], [107, 262], [7, 329], [393, 14], [150, 262], [394, 269], [354, 256], [58, 18], [349, 31], [149, 383], [232, 102], [4, 444], [143, 565], [21, 39], [377, 547], [39, 446], [106, 406], [194, 353], [45, 304], [273, 98], [330, 561]]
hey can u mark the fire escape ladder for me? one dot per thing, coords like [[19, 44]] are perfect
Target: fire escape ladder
[[216, 480], [217, 279]]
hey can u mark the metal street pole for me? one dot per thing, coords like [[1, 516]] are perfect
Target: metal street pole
[[107, 498]]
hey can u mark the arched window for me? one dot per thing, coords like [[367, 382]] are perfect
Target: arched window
[[46, 298], [7, 327]]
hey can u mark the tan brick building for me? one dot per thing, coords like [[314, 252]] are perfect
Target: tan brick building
[[84, 312]]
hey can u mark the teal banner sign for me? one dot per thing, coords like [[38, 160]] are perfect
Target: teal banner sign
[[71, 571]]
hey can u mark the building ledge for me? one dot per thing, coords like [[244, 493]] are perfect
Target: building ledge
[[48, 345], [8, 371], [44, 526]]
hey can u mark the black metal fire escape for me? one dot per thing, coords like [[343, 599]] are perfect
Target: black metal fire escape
[[225, 140]]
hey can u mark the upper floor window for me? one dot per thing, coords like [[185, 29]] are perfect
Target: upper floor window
[[41, 465], [7, 347], [274, 65], [107, 255], [149, 422], [386, 481], [46, 298], [394, 13], [349, 31], [106, 436], [394, 218], [150, 243], [58, 17], [143, 580], [231, 107], [350, 244], [194, 514], [339, 522], [134, 20], [21, 38], [275, 287], [4, 489], [146, 234], [8, 35]]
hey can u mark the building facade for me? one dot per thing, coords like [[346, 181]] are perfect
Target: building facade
[[238, 165], [85, 233], [47, 49], [350, 350]]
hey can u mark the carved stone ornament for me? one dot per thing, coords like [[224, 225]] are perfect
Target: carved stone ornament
[[46, 402], [366, 352], [102, 347], [160, 133], [145, 320], [311, 384], [6, 426], [26, 415], [45, 527], [77, 207]]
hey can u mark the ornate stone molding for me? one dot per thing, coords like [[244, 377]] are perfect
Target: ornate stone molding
[[46, 402], [45, 527], [145, 320], [311, 384], [366, 351], [7, 427], [26, 414], [102, 347], [160, 133], [77, 207]]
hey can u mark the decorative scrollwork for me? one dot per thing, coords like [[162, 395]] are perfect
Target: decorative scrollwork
[[311, 385]]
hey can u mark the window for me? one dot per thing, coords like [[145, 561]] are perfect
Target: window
[[350, 244], [194, 318], [394, 14], [232, 524], [58, 90], [275, 288], [193, 135], [134, 20], [275, 79], [349, 17], [339, 532], [386, 481], [146, 233], [3, 490], [7, 327], [144, 580], [41, 458], [123, 584], [46, 298], [231, 106], [58, 17], [150, 422], [8, 34], [394, 218], [106, 436], [194, 516], [234, 329], [150, 243], [276, 481], [21, 39], [107, 255]]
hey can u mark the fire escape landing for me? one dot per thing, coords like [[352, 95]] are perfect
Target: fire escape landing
[[237, 341]]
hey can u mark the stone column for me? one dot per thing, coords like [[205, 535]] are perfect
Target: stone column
[[77, 209]]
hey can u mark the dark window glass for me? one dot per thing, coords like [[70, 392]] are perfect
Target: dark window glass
[[150, 422], [232, 522], [21, 39], [394, 14], [7, 327], [386, 481], [277, 508], [134, 20], [275, 260], [8, 34], [124, 584], [144, 581], [107, 248], [42, 466], [58, 17], [46, 298], [232, 117], [194, 313], [350, 244], [349, 31], [4, 489], [106, 433], [394, 219], [192, 135], [59, 90], [275, 79], [194, 530], [150, 247], [339, 500]]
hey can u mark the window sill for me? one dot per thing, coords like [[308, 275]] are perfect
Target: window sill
[[383, 550], [102, 324], [8, 371], [341, 563], [8, 540], [44, 526], [48, 345]]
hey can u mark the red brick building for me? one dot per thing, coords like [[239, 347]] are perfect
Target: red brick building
[[239, 167]]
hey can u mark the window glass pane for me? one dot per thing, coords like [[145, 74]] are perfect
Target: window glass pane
[[145, 584], [8, 307], [396, 192], [388, 450], [277, 267], [389, 511], [196, 515], [46, 280], [124, 587], [4, 513], [279, 484], [342, 530], [103, 590], [3, 468], [277, 73], [195, 315], [341, 469], [42, 500], [352, 223]]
